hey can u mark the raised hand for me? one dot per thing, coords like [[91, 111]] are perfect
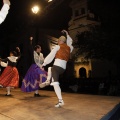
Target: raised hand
[[64, 31], [31, 38], [18, 49], [6, 2]]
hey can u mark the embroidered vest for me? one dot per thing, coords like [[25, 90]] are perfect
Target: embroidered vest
[[63, 53]]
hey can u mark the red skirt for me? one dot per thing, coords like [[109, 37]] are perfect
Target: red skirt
[[9, 77]]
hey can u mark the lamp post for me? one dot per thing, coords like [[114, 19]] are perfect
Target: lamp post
[[35, 10]]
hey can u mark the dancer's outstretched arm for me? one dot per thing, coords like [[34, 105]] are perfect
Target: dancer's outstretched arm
[[69, 40], [4, 10]]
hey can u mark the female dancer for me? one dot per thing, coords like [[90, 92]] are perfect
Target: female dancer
[[35, 74], [10, 77]]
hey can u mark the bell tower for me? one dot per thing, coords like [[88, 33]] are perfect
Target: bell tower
[[82, 17]]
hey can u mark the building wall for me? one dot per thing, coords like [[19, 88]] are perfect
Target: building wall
[[80, 22], [82, 63]]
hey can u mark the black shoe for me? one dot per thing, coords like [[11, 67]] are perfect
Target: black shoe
[[36, 95], [8, 95]]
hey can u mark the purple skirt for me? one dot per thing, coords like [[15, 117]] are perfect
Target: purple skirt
[[33, 78]]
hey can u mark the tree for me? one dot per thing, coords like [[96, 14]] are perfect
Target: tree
[[102, 41], [97, 43]]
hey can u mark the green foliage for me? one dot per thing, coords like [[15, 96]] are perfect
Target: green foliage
[[97, 43], [101, 42]]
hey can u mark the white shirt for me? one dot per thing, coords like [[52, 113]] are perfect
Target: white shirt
[[39, 59], [51, 56], [4, 12], [11, 58]]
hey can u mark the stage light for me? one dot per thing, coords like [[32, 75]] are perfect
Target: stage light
[[35, 9], [49, 0]]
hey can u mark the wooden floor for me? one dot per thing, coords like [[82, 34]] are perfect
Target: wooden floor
[[24, 106]]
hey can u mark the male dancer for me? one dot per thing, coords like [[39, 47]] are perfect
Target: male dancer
[[4, 10], [61, 53]]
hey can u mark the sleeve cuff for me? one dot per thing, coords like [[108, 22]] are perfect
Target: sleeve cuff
[[7, 6], [43, 64]]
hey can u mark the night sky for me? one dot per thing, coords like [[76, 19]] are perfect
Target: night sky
[[20, 15], [56, 17], [20, 20]]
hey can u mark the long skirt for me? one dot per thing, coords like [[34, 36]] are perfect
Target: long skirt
[[33, 78], [9, 77]]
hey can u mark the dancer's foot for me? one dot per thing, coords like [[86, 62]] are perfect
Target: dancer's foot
[[44, 84], [37, 95], [8, 95], [59, 104], [1, 86]]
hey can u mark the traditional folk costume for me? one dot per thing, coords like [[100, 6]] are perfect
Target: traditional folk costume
[[61, 53], [10, 76], [35, 75], [4, 12]]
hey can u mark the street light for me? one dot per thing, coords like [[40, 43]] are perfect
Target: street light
[[35, 9], [49, 0]]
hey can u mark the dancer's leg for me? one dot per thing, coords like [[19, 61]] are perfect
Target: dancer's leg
[[56, 71], [47, 82], [57, 90], [36, 94], [8, 90]]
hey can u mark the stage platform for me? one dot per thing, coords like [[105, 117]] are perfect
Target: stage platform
[[24, 106]]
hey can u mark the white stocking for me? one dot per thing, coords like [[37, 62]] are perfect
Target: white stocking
[[47, 82], [8, 90], [58, 91], [49, 74], [36, 92]]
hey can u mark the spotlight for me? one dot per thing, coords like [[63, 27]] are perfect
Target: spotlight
[[49, 0]]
